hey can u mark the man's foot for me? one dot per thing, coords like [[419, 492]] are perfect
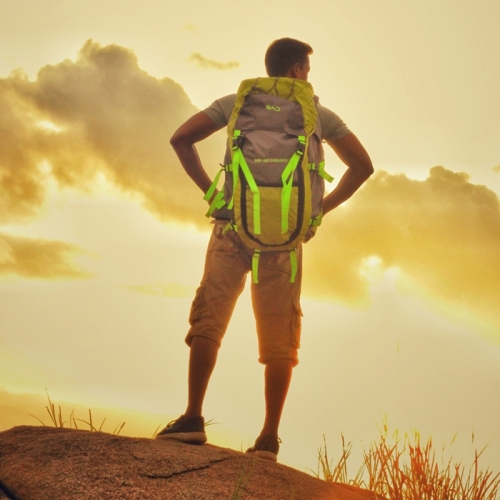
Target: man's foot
[[266, 447], [187, 430]]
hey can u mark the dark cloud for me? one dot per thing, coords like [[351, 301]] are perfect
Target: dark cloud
[[110, 117], [21, 184], [100, 114], [206, 63], [37, 258]]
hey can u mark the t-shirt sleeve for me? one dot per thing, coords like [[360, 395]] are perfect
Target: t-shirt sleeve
[[220, 110], [332, 126]]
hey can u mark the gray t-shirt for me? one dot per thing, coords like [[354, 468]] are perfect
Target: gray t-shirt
[[332, 126]]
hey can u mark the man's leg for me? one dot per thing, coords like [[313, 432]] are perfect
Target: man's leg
[[202, 359], [226, 266], [277, 375], [276, 303], [190, 427]]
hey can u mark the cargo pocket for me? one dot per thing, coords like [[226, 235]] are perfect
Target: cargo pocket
[[296, 324], [197, 304]]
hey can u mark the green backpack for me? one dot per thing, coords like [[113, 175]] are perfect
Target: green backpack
[[274, 167]]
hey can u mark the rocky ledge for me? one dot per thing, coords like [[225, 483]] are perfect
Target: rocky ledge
[[45, 463]]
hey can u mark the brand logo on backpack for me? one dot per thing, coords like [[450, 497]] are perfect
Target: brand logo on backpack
[[273, 108]]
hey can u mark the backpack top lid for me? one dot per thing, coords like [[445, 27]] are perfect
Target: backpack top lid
[[290, 89]]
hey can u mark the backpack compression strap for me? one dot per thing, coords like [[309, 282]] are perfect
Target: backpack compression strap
[[287, 179], [218, 201], [293, 265], [240, 162], [320, 168]]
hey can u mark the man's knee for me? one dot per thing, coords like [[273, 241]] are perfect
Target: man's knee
[[200, 341]]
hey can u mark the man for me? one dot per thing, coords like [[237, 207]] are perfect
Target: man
[[275, 299]]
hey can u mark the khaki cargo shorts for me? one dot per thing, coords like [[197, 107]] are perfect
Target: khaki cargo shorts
[[275, 301]]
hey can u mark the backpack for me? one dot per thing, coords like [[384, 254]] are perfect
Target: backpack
[[274, 167]]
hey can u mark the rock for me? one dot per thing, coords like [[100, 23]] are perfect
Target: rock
[[46, 463]]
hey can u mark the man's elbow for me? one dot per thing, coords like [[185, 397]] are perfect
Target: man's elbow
[[176, 140], [369, 169], [180, 142], [365, 169], [197, 128]]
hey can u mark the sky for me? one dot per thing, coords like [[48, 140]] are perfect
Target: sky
[[102, 235]]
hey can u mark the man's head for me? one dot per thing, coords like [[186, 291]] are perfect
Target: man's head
[[288, 57]]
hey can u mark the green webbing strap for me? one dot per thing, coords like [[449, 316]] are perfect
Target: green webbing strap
[[238, 155], [255, 266], [218, 201], [213, 186], [316, 221], [322, 173], [287, 179], [320, 167], [234, 165], [293, 265]]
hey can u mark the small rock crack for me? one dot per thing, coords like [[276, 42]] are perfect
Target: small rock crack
[[161, 476], [6, 493]]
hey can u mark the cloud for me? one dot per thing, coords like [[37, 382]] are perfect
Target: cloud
[[102, 114], [442, 233], [21, 182], [205, 63], [98, 114], [37, 258]]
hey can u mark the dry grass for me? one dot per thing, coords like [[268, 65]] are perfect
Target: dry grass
[[410, 470], [56, 416], [242, 481], [392, 468]]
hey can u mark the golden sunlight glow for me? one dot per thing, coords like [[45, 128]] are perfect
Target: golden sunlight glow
[[103, 235], [371, 268], [52, 127]]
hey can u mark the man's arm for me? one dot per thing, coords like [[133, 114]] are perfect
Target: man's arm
[[197, 128], [354, 155]]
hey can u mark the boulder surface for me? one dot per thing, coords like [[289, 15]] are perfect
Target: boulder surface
[[46, 463]]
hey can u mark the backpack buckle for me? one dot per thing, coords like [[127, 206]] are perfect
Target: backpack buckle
[[302, 145], [237, 140]]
